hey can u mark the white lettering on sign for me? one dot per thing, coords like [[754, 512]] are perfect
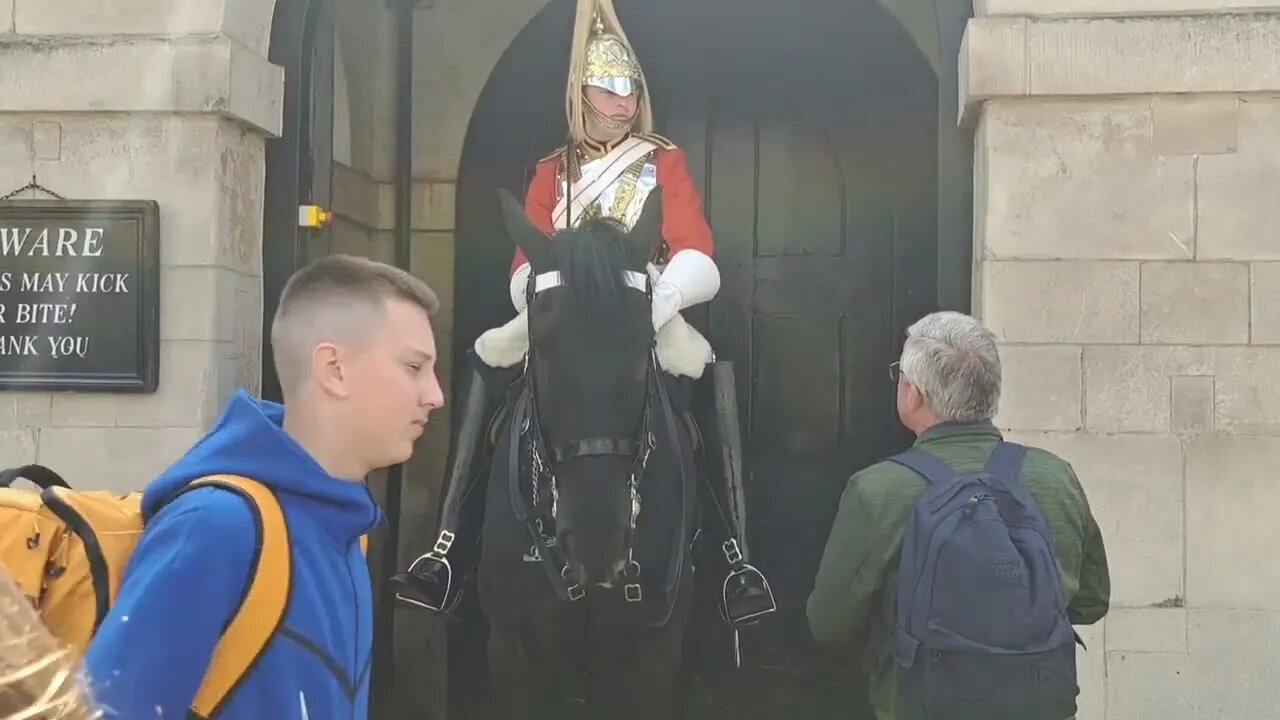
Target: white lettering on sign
[[69, 242], [18, 345]]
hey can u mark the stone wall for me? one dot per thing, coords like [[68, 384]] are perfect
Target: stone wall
[[177, 113], [1126, 219]]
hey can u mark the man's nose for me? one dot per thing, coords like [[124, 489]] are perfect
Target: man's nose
[[433, 395]]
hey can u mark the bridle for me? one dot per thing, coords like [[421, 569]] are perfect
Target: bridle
[[543, 460]]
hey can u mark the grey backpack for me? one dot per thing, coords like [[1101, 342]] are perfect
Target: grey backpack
[[982, 630]]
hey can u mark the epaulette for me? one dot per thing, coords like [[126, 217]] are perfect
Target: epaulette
[[558, 152], [658, 140]]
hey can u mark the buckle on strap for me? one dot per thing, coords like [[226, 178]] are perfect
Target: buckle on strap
[[732, 553], [443, 543]]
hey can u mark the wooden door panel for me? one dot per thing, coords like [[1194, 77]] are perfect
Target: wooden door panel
[[800, 197], [797, 365]]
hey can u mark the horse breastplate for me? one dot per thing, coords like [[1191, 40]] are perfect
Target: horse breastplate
[[624, 198]]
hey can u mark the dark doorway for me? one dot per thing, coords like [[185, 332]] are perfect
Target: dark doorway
[[813, 130], [300, 161], [299, 171]]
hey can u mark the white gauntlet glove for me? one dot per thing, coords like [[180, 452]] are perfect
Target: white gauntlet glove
[[690, 278], [519, 283]]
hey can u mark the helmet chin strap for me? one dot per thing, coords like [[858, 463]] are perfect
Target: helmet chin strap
[[607, 122]]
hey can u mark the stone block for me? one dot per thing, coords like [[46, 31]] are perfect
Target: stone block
[[991, 52], [193, 74], [48, 140], [1184, 54], [6, 16], [356, 197], [1231, 509], [349, 238], [187, 396], [1196, 125], [1246, 394], [249, 22], [432, 259], [120, 459], [1078, 180], [1147, 630], [193, 303], [1238, 214], [1226, 674], [382, 246], [1041, 387], [239, 192], [16, 152], [433, 205], [1192, 405], [1128, 388], [1195, 303], [17, 447], [1061, 301], [170, 159], [1264, 304], [20, 410], [118, 17], [1091, 671], [1101, 8], [247, 336], [1134, 487]]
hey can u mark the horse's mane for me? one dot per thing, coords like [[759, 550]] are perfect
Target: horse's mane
[[592, 259]]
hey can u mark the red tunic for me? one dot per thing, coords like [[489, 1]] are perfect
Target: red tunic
[[684, 226]]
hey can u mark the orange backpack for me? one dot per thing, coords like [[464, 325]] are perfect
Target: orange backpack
[[67, 550]]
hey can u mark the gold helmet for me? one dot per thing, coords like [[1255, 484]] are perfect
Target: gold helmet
[[602, 56]]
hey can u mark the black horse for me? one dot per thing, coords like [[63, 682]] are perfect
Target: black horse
[[586, 568]]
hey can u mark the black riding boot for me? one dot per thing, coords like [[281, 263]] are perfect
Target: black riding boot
[[437, 579], [746, 597]]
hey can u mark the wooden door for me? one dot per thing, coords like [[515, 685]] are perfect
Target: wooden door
[[804, 216]]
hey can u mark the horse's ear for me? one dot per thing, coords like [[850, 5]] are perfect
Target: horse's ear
[[536, 245], [646, 234]]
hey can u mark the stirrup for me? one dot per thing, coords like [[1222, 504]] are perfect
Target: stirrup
[[746, 580], [411, 580]]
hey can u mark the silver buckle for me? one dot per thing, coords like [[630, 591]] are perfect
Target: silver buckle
[[731, 551], [634, 593], [444, 542]]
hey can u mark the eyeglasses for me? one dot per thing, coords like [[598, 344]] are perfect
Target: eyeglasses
[[895, 371]]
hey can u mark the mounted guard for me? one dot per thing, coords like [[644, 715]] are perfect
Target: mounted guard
[[611, 163]]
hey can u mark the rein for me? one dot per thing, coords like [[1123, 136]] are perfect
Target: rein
[[535, 514]]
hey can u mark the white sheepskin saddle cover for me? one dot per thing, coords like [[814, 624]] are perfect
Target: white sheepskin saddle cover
[[682, 350]]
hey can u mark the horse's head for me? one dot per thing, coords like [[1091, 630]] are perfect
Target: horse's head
[[590, 345]]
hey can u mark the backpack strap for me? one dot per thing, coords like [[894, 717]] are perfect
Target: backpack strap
[[1006, 460], [933, 468], [263, 606], [38, 474]]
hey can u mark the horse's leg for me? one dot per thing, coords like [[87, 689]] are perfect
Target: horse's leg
[[533, 666], [639, 673], [513, 675]]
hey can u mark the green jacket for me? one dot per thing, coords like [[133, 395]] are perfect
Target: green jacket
[[856, 579]]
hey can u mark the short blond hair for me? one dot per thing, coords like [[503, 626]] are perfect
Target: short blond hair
[[337, 291]]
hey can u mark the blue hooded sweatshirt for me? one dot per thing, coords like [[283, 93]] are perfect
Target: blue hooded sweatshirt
[[191, 567]]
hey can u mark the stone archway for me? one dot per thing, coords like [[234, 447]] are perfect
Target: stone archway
[[854, 95]]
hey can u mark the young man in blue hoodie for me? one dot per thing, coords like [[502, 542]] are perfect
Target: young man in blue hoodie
[[355, 354]]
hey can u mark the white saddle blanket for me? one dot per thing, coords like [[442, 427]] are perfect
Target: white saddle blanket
[[682, 350]]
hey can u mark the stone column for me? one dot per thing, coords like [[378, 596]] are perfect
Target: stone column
[[145, 100], [1126, 222]]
